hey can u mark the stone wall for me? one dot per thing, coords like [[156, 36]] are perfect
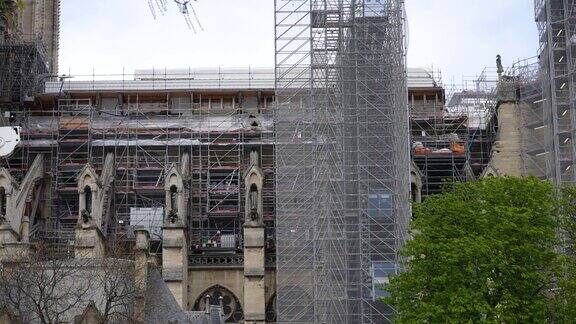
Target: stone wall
[[200, 280]]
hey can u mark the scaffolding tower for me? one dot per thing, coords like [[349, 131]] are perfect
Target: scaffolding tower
[[342, 157], [536, 141], [476, 99], [453, 128], [23, 68], [557, 33], [439, 138]]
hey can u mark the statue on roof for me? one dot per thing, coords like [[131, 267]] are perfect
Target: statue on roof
[[499, 67]]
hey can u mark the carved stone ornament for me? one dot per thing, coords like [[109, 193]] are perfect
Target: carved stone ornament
[[86, 217]]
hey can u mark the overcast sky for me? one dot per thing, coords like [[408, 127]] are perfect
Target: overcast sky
[[459, 37]]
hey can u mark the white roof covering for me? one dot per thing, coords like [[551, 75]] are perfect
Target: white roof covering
[[200, 79], [200, 124], [422, 78]]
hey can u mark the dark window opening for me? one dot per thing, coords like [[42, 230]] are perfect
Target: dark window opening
[[414, 192], [3, 201], [88, 198]]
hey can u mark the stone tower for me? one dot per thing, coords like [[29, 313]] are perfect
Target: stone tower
[[254, 253], [174, 232]]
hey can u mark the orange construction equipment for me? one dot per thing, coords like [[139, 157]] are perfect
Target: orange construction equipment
[[457, 148]]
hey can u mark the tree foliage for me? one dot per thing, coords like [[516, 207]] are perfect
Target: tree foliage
[[8, 13], [566, 290], [485, 251], [19, 4]]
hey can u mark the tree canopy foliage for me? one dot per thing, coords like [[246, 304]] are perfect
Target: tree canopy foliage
[[7, 12], [566, 298], [488, 251], [4, 3]]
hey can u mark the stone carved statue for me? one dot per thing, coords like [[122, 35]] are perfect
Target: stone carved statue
[[173, 199], [500, 68], [254, 201], [173, 216], [254, 182], [175, 212]]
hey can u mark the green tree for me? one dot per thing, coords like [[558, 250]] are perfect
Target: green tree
[[4, 3], [7, 12], [484, 251], [565, 295]]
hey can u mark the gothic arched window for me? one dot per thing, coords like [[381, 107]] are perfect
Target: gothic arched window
[[232, 309], [414, 192]]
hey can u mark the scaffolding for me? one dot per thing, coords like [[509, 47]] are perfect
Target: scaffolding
[[476, 99], [453, 128], [23, 68], [341, 126], [149, 120], [536, 140], [438, 136], [557, 33]]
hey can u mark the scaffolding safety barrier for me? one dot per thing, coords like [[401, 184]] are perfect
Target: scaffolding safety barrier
[[342, 157]]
